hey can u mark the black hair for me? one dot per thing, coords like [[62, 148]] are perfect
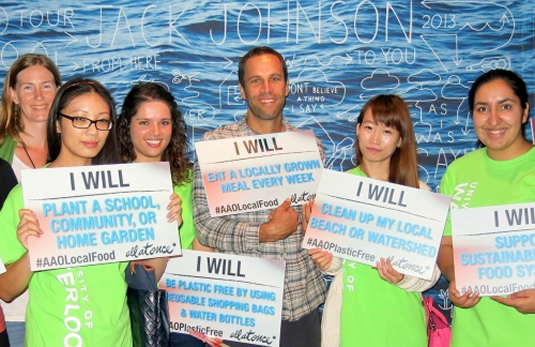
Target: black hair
[[65, 95]]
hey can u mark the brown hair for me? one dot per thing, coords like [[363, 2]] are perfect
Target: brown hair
[[392, 111], [10, 121], [176, 152], [255, 52]]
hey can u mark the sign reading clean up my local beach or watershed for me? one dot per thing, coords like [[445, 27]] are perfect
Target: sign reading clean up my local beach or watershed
[[361, 219], [244, 174], [100, 214], [231, 297], [494, 248]]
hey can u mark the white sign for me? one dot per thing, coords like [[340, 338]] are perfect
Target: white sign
[[362, 219], [244, 174], [494, 248], [100, 214], [226, 296]]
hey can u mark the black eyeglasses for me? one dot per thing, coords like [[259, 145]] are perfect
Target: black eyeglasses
[[85, 123]]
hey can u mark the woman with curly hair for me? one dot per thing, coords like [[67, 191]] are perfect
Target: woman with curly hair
[[151, 129]]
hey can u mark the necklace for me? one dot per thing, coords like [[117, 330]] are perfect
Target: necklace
[[28, 154]]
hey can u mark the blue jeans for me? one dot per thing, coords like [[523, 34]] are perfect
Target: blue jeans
[[16, 332]]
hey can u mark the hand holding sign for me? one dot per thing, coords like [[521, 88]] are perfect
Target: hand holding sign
[[175, 209], [387, 272], [283, 222], [466, 300], [28, 226], [322, 259], [523, 301]]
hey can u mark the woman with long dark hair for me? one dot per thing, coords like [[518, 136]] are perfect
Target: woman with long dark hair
[[377, 306], [77, 305], [500, 173]]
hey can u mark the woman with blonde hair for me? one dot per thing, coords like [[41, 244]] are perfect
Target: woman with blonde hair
[[29, 90]]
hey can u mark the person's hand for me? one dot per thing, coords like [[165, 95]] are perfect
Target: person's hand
[[523, 301], [466, 300], [175, 209], [322, 259], [387, 271], [28, 226], [307, 211], [282, 223]]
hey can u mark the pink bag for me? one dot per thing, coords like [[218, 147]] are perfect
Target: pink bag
[[438, 330]]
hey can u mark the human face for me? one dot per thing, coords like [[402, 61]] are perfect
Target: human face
[[80, 146], [265, 89], [498, 117], [34, 92], [376, 141], [150, 131]]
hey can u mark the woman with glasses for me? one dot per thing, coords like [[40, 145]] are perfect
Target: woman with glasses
[[79, 305]]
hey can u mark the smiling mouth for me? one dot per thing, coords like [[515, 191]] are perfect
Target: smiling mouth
[[154, 143], [495, 132], [268, 101]]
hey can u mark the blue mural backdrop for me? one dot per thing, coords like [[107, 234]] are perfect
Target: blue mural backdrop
[[339, 53]]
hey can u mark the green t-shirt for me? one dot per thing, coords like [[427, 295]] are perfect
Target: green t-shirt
[[7, 150], [377, 313], [80, 306], [187, 229], [475, 180]]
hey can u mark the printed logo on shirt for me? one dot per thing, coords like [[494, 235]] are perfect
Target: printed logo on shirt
[[350, 279], [76, 290], [463, 195]]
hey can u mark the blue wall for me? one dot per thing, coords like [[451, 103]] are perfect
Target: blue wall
[[339, 53]]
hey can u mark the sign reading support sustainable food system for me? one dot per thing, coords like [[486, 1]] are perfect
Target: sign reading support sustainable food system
[[494, 248]]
